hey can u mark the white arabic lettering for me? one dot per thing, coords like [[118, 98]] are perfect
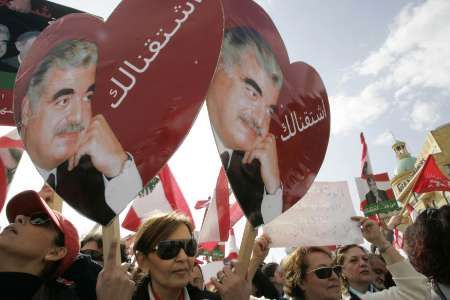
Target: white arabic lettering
[[154, 46], [309, 120], [5, 111]]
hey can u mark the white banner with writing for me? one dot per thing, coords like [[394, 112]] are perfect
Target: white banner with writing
[[320, 218]]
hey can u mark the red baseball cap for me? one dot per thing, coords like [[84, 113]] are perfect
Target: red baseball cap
[[28, 202]]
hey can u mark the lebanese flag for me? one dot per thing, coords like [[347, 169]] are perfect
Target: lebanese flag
[[231, 249], [11, 140], [431, 179], [366, 166], [202, 203], [398, 239], [412, 212], [8, 161], [162, 194], [216, 223]]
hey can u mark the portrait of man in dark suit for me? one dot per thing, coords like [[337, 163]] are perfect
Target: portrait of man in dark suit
[[75, 151], [375, 195], [241, 100]]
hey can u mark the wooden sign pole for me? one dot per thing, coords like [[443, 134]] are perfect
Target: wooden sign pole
[[56, 202], [111, 233], [245, 251]]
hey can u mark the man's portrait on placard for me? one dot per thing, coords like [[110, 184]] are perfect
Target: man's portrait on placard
[[241, 100], [375, 195], [74, 149]]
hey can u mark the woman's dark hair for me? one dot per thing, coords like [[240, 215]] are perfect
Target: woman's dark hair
[[93, 237], [295, 267], [50, 268], [428, 243], [264, 287], [157, 228]]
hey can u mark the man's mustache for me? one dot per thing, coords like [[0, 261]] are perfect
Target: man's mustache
[[252, 123], [72, 127]]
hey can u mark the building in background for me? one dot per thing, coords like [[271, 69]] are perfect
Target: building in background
[[437, 144]]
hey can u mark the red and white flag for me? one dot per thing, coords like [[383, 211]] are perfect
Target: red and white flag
[[202, 203], [366, 166], [162, 194], [231, 249], [216, 223], [11, 149], [431, 178]]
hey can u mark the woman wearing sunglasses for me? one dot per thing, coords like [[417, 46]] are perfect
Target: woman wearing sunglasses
[[311, 274], [165, 250]]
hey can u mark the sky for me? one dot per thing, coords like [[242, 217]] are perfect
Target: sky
[[386, 68]]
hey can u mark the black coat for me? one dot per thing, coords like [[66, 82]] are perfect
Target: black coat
[[141, 292]]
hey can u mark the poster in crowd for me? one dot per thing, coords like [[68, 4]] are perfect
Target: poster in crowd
[[324, 211], [270, 117], [18, 30], [376, 194], [11, 149], [102, 108]]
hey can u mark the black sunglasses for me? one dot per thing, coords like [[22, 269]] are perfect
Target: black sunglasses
[[40, 218], [169, 249], [325, 272]]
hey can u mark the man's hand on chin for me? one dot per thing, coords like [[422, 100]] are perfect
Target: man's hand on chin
[[101, 144], [265, 151]]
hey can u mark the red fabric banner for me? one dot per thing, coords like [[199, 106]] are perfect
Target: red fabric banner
[[431, 179]]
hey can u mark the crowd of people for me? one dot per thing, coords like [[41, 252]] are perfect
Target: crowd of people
[[42, 257]]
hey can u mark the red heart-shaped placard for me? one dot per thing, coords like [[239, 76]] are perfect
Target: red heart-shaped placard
[[156, 59], [271, 118]]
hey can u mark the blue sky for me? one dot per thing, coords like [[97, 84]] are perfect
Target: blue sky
[[372, 56], [386, 67]]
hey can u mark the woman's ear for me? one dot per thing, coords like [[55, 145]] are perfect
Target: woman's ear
[[301, 284], [142, 261], [56, 253]]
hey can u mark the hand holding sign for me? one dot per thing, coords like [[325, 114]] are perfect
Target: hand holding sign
[[114, 282]]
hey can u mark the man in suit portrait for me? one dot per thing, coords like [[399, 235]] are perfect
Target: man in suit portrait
[[375, 195], [75, 151], [241, 100]]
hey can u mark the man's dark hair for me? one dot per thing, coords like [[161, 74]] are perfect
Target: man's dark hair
[[269, 269]]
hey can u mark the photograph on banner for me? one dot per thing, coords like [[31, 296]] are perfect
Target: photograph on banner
[[100, 109], [321, 218], [11, 149], [20, 23], [376, 194], [270, 118]]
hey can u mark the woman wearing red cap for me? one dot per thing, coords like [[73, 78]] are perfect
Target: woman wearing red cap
[[38, 245]]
